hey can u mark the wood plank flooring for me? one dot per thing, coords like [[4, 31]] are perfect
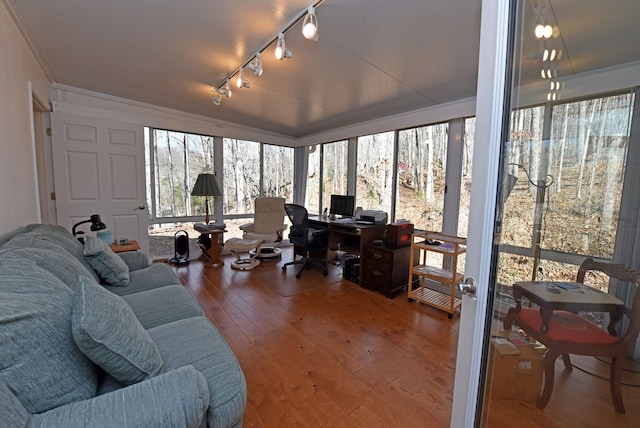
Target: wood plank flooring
[[342, 356]]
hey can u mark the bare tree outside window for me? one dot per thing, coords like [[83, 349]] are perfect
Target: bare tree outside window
[[375, 171], [178, 159], [241, 175], [312, 195], [571, 182], [334, 167], [422, 160], [278, 171]]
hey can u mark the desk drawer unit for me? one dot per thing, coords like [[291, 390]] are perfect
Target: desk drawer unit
[[385, 269]]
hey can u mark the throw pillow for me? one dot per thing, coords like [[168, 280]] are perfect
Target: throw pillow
[[107, 331], [39, 360], [109, 266]]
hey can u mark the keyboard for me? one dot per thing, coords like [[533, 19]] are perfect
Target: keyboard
[[343, 220], [363, 222]]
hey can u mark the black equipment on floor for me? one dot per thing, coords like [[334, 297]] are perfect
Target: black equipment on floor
[[181, 247]]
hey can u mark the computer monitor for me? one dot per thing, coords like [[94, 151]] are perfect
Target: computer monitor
[[342, 205]]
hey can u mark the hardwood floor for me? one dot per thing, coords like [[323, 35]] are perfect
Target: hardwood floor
[[342, 356]]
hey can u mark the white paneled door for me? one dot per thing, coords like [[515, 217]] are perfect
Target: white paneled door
[[99, 169]]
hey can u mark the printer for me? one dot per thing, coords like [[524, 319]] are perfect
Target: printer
[[371, 217]]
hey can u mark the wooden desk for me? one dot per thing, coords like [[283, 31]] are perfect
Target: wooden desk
[[212, 254], [567, 296], [132, 245], [352, 237]]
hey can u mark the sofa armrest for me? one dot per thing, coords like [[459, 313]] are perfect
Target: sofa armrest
[[174, 399], [136, 260]]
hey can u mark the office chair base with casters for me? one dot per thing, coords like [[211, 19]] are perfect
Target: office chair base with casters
[[305, 263]]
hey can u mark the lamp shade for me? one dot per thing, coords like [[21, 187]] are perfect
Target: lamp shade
[[96, 225], [206, 186]]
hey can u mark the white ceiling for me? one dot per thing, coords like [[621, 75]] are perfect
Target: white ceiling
[[374, 58]]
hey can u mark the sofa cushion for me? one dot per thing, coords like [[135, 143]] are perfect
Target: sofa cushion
[[59, 263], [197, 342], [32, 241], [162, 305], [39, 360], [111, 268], [153, 276], [107, 331], [60, 237]]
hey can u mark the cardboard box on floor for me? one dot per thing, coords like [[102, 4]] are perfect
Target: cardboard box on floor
[[515, 369]]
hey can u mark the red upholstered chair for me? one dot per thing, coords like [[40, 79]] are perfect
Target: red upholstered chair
[[569, 333]]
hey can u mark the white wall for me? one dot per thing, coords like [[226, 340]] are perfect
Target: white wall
[[82, 102], [19, 70]]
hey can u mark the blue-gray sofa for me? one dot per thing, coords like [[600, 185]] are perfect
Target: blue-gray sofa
[[90, 338]]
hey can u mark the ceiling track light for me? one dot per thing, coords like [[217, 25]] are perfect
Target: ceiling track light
[[281, 48], [256, 65], [225, 89], [217, 99], [241, 82], [310, 25]]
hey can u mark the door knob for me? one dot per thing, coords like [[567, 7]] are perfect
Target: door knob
[[141, 207], [468, 287]]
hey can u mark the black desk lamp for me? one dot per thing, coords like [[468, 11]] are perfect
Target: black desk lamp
[[96, 224], [206, 186]]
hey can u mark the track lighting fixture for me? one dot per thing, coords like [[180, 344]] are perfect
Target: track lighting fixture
[[281, 48], [309, 31], [256, 65], [310, 25], [241, 82], [226, 89]]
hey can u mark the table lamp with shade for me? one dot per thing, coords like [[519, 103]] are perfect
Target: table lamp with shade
[[206, 186], [96, 225]]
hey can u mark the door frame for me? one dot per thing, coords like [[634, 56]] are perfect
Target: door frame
[[474, 316]]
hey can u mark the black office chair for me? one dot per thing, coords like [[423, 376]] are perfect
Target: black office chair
[[305, 240]]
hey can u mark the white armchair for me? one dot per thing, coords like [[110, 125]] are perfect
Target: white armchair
[[268, 226]]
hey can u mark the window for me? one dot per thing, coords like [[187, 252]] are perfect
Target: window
[[278, 171], [375, 172], [586, 160], [422, 160], [312, 196], [334, 170], [178, 158], [566, 188], [465, 185], [522, 155], [241, 175]]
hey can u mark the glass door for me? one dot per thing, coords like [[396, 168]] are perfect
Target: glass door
[[557, 141]]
